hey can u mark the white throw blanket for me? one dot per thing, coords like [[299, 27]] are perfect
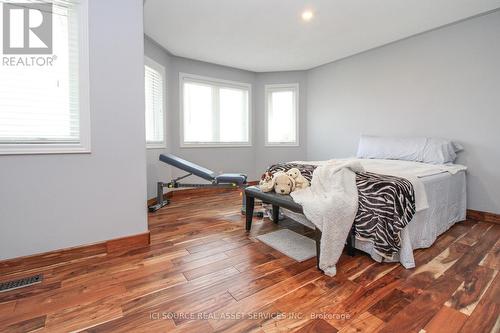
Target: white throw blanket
[[331, 203]]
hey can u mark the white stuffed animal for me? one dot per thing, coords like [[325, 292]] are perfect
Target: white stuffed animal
[[266, 183], [283, 183], [280, 182], [300, 181]]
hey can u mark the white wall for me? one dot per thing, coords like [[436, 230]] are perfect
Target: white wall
[[49, 202], [250, 160], [443, 83]]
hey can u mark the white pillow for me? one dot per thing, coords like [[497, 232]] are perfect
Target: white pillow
[[419, 149], [391, 148], [440, 151]]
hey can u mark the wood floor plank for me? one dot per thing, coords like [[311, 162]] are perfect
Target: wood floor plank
[[7, 308], [492, 258], [447, 320], [471, 290], [55, 301], [361, 300], [423, 256], [287, 307], [137, 322], [221, 264], [484, 320], [152, 283], [28, 325], [268, 295], [192, 326], [268, 280], [354, 267], [309, 307], [485, 316], [389, 306], [437, 266], [475, 234], [82, 317], [461, 228], [317, 326], [373, 273], [468, 262], [277, 262], [30, 291], [419, 312], [183, 266], [365, 322]]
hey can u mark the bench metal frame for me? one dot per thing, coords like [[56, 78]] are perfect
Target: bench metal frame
[[162, 202], [230, 181]]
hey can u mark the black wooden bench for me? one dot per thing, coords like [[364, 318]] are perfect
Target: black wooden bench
[[285, 201]]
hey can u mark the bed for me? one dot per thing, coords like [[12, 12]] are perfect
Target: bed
[[399, 194], [446, 197]]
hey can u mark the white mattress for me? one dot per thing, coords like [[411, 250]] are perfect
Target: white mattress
[[446, 196]]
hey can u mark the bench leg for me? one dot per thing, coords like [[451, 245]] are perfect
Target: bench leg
[[351, 250], [250, 203], [276, 214], [317, 238]]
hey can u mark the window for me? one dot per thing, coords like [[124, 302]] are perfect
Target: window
[[214, 112], [282, 121], [154, 77], [44, 92]]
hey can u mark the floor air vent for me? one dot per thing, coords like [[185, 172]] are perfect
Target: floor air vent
[[20, 283]]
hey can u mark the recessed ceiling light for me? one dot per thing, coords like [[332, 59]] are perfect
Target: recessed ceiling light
[[307, 15]]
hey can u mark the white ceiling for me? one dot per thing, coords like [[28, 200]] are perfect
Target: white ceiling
[[269, 35]]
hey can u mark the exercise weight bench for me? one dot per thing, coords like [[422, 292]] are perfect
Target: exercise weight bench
[[225, 180]]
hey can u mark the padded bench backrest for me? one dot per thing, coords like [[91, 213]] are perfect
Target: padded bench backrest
[[187, 166]]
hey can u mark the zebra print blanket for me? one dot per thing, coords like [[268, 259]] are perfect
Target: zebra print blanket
[[305, 169], [386, 205]]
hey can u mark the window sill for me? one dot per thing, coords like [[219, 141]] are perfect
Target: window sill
[[42, 149], [158, 146], [291, 145], [216, 145]]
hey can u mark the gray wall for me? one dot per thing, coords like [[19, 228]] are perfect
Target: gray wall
[[50, 202], [443, 83], [250, 160], [226, 159], [265, 156], [157, 171]]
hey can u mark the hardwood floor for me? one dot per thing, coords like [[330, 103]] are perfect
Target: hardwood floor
[[204, 273]]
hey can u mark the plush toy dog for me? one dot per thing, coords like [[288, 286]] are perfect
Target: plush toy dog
[[283, 183], [280, 182], [266, 183], [300, 181]]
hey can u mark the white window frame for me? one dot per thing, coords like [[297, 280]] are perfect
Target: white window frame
[[270, 88], [84, 146], [221, 84], [160, 69]]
